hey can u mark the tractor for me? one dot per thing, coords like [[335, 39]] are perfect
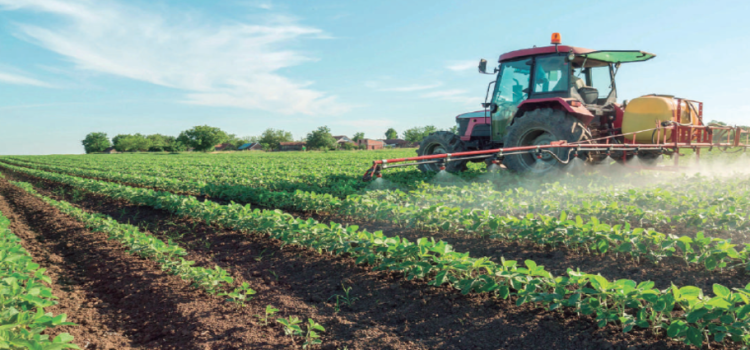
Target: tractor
[[549, 105]]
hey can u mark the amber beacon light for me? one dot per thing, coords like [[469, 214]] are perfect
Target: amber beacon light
[[556, 38]]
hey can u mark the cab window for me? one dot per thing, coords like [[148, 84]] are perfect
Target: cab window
[[514, 82], [601, 80], [551, 74]]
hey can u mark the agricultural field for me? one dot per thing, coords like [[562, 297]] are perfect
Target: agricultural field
[[285, 250]]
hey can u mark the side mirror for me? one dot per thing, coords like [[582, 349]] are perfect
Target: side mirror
[[493, 107], [483, 66]]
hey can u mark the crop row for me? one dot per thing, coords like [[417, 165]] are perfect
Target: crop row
[[568, 229], [693, 203], [683, 313], [169, 255], [24, 293], [336, 173]]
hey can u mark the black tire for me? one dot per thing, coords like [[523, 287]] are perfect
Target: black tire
[[442, 142], [540, 127]]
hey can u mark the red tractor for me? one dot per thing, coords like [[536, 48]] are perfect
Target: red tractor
[[541, 95], [549, 105]]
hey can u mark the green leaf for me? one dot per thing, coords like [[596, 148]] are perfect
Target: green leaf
[[694, 337], [721, 291], [690, 292], [676, 329], [743, 311], [63, 338], [695, 315]]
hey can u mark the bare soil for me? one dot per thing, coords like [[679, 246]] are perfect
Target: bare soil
[[388, 313]]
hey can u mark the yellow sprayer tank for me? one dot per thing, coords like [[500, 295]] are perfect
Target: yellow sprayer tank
[[642, 113]]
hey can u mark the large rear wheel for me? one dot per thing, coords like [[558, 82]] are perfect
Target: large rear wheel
[[442, 142], [541, 127]]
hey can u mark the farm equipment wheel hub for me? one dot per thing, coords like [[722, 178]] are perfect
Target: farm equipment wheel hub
[[541, 140]]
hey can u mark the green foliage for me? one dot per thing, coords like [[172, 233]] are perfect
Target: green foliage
[[321, 139], [293, 329], [596, 220], [131, 143], [270, 311], [24, 293], [416, 134], [203, 138], [96, 142], [358, 136], [391, 133], [160, 143], [272, 138]]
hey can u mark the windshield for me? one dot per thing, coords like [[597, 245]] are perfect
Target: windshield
[[513, 82]]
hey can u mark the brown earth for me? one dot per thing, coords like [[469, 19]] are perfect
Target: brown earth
[[389, 312], [121, 301], [664, 273]]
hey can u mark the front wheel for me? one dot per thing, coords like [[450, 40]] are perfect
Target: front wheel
[[442, 142], [537, 128]]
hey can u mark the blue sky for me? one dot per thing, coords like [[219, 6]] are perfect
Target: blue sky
[[71, 67]]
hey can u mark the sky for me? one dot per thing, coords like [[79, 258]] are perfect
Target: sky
[[70, 67]]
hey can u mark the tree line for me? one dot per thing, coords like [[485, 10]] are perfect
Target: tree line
[[204, 138]]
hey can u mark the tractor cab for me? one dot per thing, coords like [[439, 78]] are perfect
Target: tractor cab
[[579, 80]]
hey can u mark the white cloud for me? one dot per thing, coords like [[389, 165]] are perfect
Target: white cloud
[[16, 79], [217, 64], [463, 65]]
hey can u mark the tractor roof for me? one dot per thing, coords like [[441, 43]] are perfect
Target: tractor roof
[[609, 56]]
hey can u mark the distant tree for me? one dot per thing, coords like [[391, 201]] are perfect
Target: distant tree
[[321, 139], [348, 146], [96, 142], [131, 143], [453, 129], [358, 136], [273, 137], [416, 134], [159, 142], [391, 134], [203, 138], [176, 146], [119, 142]]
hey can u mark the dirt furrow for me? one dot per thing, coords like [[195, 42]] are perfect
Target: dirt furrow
[[557, 260], [121, 301], [423, 316]]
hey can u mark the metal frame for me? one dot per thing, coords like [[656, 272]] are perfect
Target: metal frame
[[682, 136]]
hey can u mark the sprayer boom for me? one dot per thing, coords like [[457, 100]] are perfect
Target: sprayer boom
[[667, 138]]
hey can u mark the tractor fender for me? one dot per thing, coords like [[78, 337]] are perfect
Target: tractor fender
[[580, 112]]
